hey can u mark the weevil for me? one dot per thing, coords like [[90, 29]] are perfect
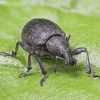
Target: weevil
[[44, 38]]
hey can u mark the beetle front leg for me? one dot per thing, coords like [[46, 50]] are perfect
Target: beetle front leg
[[28, 67], [88, 68], [44, 72], [55, 68]]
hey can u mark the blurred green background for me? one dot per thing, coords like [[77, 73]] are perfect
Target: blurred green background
[[80, 19]]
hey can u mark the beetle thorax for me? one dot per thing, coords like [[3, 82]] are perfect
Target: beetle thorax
[[56, 45]]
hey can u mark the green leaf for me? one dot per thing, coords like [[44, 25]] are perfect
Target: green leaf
[[80, 19]]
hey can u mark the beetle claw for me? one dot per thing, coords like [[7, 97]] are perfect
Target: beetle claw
[[94, 76], [22, 75], [3, 53], [8, 53], [42, 80]]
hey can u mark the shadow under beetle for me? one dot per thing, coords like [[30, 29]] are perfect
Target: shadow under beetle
[[44, 38]]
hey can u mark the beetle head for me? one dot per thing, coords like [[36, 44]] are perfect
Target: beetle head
[[59, 46]]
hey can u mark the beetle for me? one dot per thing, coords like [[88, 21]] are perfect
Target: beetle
[[44, 38]]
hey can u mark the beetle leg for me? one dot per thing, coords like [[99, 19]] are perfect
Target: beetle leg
[[25, 47], [88, 68], [55, 68], [13, 53], [68, 37], [44, 72], [28, 67]]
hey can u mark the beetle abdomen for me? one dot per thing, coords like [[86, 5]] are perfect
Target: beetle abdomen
[[37, 31]]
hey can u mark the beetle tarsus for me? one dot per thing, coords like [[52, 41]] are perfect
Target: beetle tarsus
[[44, 72], [94, 76], [42, 81], [28, 67], [22, 75], [8, 53]]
